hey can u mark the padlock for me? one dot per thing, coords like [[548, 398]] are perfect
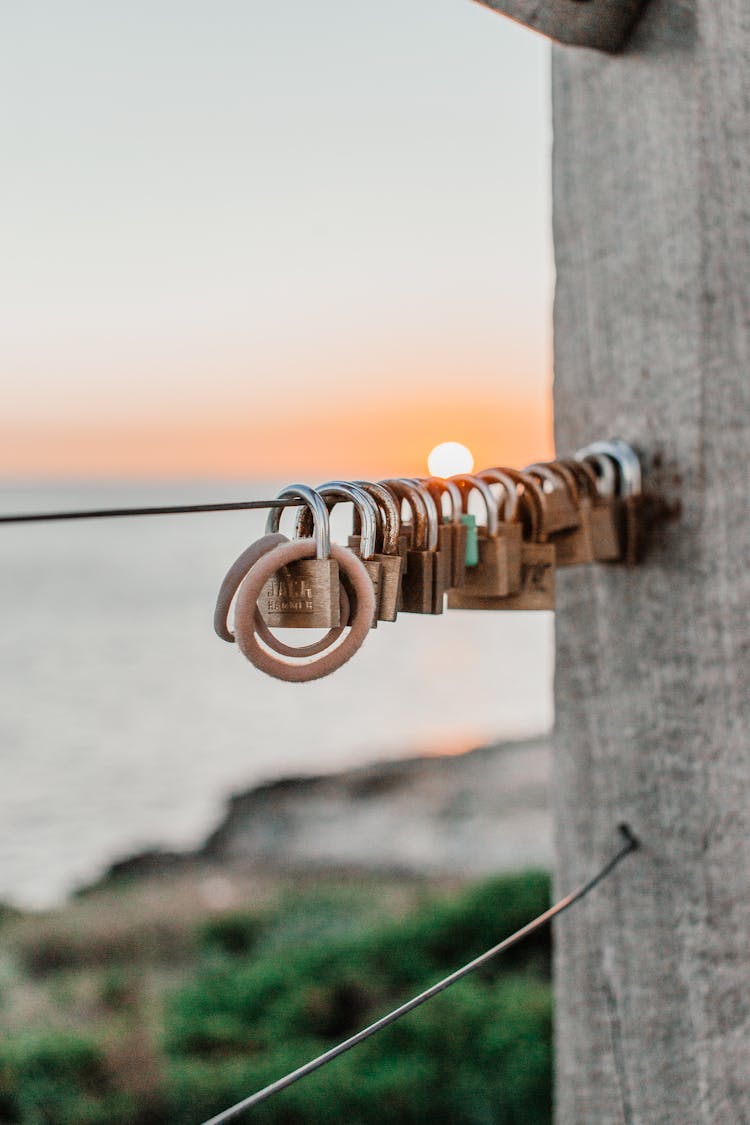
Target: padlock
[[334, 492], [574, 546], [509, 526], [304, 594], [562, 510], [629, 499], [388, 553], [489, 578], [443, 545], [602, 514], [418, 584], [453, 529], [537, 557], [416, 525]]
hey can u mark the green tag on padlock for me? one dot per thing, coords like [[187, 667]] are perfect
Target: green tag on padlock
[[472, 540]]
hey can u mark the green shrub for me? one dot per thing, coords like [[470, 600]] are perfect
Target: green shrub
[[56, 1079], [478, 1054]]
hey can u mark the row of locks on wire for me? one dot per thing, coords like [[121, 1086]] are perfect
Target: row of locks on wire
[[415, 546]]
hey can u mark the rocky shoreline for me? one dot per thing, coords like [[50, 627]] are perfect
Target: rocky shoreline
[[464, 816]]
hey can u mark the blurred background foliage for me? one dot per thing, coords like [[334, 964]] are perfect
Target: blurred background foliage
[[175, 1019]]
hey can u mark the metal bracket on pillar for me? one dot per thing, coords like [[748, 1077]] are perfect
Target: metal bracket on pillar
[[601, 24]]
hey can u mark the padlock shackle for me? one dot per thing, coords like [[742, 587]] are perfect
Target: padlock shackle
[[605, 473], [468, 483], [415, 499], [434, 513], [585, 476], [534, 502], [390, 512], [510, 502], [555, 474], [339, 491], [569, 479], [625, 458], [439, 487], [316, 505]]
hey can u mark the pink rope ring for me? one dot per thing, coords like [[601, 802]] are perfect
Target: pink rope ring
[[231, 584], [247, 601]]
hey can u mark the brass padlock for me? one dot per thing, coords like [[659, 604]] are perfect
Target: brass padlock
[[388, 553], [489, 578], [602, 512], [443, 544], [537, 554], [335, 492], [574, 546], [453, 530], [562, 510], [509, 527], [304, 594], [418, 584], [629, 498]]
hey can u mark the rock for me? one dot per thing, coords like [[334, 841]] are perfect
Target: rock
[[465, 815], [469, 814]]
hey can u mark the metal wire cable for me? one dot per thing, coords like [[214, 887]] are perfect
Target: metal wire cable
[[167, 510], [631, 844]]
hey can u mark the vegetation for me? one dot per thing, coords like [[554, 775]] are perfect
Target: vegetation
[[264, 990]]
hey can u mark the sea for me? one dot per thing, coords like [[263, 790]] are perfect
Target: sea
[[125, 723]]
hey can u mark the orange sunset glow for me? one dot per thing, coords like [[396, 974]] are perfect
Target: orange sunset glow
[[373, 440]]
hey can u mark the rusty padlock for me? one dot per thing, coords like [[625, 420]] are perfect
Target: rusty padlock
[[574, 545], [453, 529], [537, 554], [562, 509], [489, 578], [418, 584], [334, 492], [443, 544], [629, 498], [387, 553], [509, 526], [304, 594], [601, 511]]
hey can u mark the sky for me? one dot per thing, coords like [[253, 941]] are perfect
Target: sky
[[250, 239]]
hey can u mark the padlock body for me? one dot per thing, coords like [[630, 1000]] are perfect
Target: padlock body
[[302, 595], [634, 528], [391, 574], [561, 514], [458, 568], [392, 569], [576, 545], [445, 554], [606, 531], [440, 579], [512, 536], [489, 578], [417, 587], [537, 584], [374, 570]]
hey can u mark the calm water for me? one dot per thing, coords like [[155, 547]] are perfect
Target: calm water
[[125, 722]]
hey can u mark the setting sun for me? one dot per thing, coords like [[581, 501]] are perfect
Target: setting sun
[[449, 458]]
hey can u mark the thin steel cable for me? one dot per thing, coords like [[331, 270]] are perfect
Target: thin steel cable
[[168, 510], [631, 844]]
